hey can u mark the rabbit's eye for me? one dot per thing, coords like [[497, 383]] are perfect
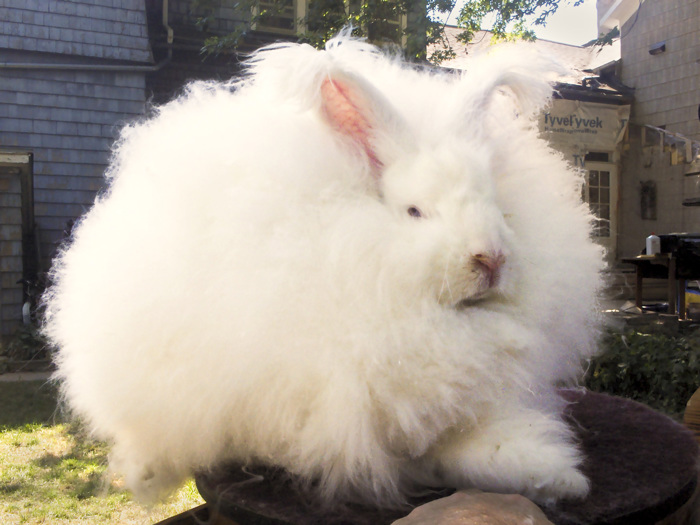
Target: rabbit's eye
[[414, 212]]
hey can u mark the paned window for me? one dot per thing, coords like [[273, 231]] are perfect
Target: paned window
[[598, 189]]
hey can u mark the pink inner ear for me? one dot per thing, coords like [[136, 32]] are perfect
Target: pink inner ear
[[342, 107]]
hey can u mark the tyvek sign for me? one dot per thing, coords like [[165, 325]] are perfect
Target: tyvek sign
[[572, 121], [584, 124]]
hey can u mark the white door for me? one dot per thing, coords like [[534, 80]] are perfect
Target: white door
[[600, 191]]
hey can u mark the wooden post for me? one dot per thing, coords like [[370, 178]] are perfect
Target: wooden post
[[672, 286], [681, 299], [638, 287]]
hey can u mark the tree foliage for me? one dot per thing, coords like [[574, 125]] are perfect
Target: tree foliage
[[377, 21]]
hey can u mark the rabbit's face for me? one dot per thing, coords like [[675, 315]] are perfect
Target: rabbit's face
[[451, 241], [445, 198]]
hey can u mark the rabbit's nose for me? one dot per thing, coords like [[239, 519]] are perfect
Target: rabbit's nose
[[490, 263]]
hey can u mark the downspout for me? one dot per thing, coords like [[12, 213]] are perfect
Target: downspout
[[168, 29], [104, 67]]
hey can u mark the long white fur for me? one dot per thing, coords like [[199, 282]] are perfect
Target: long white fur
[[251, 288]]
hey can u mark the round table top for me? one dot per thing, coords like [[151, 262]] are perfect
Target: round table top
[[642, 467]]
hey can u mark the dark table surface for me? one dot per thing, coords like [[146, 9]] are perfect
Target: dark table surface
[[642, 467]]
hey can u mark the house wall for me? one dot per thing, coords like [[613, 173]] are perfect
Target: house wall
[[577, 128], [87, 28], [67, 118], [667, 85], [667, 95]]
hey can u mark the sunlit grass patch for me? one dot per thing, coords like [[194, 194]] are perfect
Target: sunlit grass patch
[[52, 473]]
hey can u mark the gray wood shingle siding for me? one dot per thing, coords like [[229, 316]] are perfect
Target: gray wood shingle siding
[[96, 28], [66, 118], [69, 122]]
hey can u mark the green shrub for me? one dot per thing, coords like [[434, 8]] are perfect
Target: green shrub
[[27, 343], [658, 370]]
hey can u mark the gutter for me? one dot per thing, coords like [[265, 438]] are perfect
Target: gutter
[[104, 67]]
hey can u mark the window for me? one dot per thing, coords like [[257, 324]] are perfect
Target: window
[[290, 17], [278, 16], [600, 192], [598, 185], [597, 156]]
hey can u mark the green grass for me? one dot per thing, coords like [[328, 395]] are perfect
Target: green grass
[[52, 473]]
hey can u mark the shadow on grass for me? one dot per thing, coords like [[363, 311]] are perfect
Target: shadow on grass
[[80, 473]]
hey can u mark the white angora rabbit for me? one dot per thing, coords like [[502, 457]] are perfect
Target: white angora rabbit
[[369, 274]]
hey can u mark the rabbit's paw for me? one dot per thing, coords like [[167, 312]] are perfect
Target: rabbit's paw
[[529, 453], [564, 483]]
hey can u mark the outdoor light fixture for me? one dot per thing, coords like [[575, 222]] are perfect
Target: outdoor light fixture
[[657, 48]]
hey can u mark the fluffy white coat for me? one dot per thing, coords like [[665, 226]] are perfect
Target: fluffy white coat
[[368, 274]]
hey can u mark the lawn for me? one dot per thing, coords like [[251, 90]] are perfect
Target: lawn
[[52, 473]]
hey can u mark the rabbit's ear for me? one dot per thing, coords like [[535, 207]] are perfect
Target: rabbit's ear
[[347, 110], [525, 74], [362, 114]]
